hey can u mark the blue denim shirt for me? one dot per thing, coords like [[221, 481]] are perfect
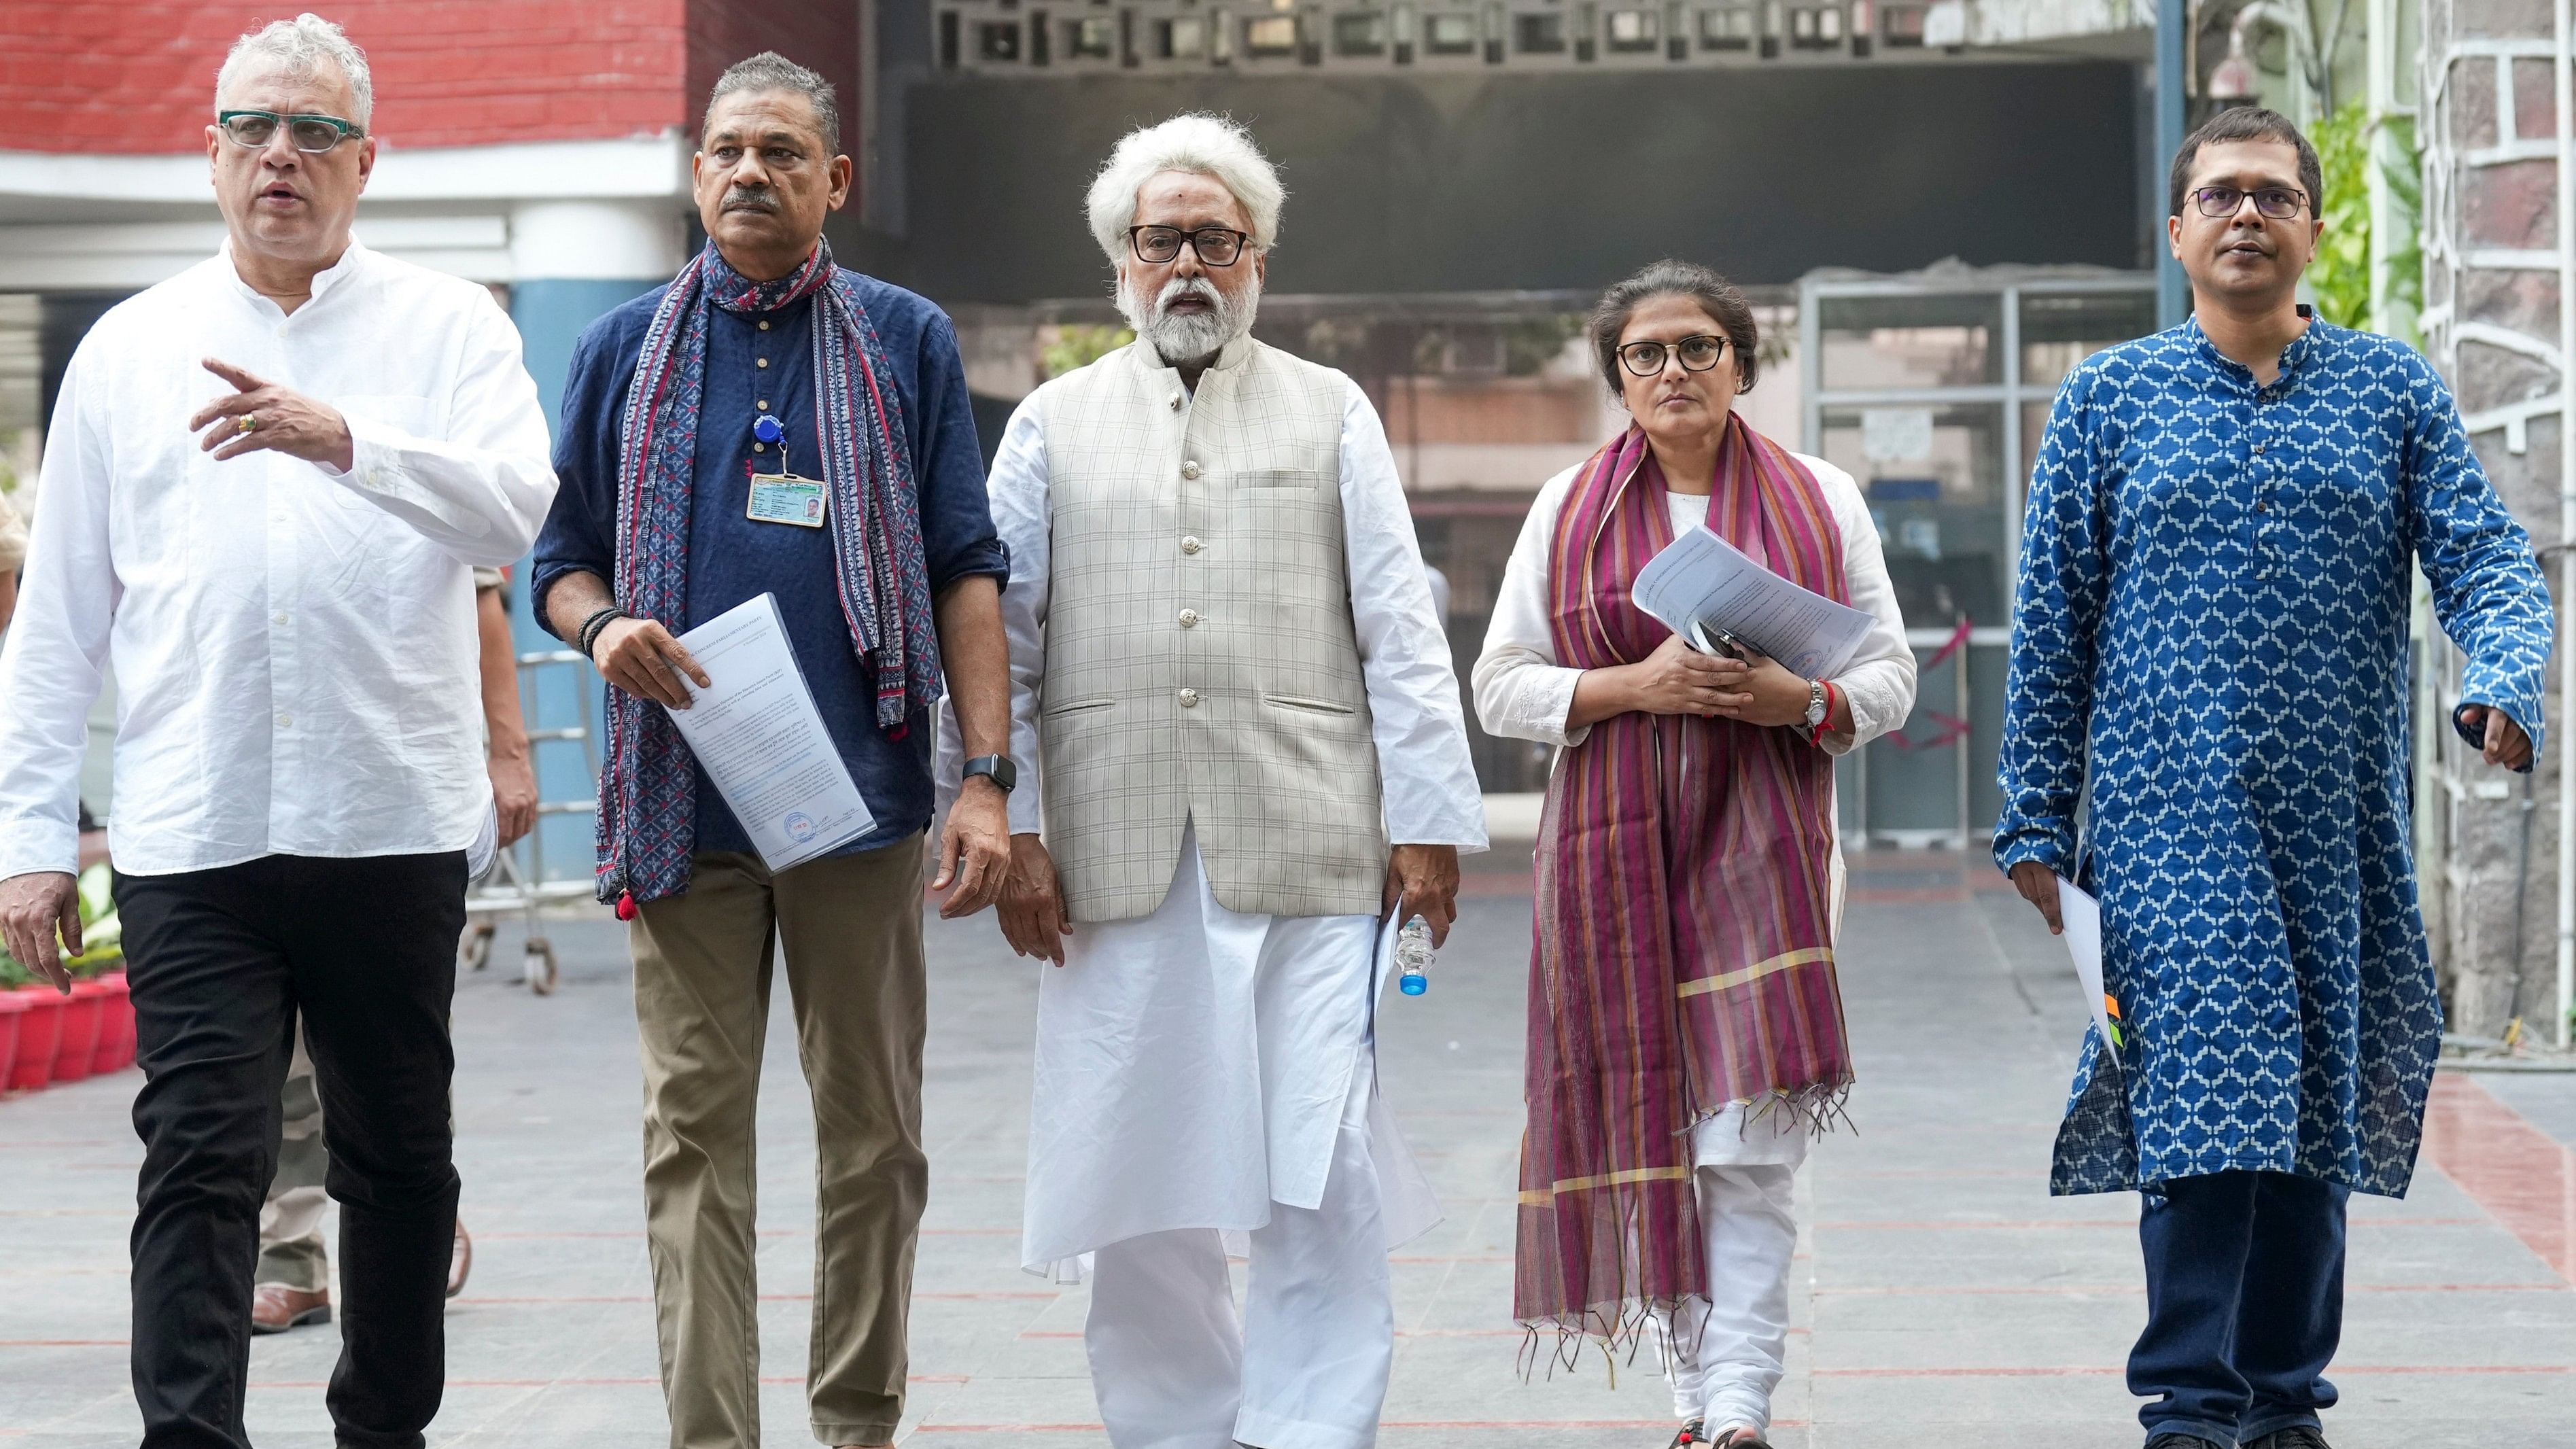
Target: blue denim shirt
[[733, 559]]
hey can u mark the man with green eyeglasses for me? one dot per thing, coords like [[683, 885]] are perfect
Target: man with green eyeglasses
[[268, 482]]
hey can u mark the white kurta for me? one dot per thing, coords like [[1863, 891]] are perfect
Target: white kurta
[[1193, 1065], [1523, 693]]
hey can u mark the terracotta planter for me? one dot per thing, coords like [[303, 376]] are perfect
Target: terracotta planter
[[77, 1041], [115, 1027], [39, 1032], [11, 1010]]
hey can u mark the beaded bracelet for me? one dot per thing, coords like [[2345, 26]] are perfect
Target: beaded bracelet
[[591, 626]]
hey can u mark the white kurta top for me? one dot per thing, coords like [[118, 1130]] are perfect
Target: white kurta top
[[1193, 1065], [294, 648], [1523, 693]]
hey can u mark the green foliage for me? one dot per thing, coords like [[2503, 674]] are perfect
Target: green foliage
[[2340, 275], [1076, 345]]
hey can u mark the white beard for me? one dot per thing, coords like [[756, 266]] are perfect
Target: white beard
[[1190, 339]]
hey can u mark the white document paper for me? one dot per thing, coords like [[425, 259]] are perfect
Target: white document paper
[[759, 738], [2082, 917], [1702, 579]]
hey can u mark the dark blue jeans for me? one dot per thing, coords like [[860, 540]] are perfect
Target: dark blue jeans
[[2244, 1304]]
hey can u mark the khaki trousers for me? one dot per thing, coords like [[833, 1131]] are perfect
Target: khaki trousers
[[292, 1251], [851, 928]]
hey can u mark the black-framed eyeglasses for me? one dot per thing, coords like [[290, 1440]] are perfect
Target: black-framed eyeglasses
[[2280, 203], [309, 133], [1217, 246], [1698, 354]]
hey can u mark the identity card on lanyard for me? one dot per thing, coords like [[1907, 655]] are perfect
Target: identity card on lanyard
[[782, 497]]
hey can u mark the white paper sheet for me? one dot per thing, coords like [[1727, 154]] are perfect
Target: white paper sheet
[[2082, 917], [1701, 578], [758, 736]]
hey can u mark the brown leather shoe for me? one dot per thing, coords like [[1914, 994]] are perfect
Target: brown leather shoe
[[275, 1308], [460, 1260]]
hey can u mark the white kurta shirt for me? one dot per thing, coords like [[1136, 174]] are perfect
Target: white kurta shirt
[[294, 648], [1193, 1065], [1523, 693]]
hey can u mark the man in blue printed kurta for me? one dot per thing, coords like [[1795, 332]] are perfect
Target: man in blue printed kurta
[[2211, 622]]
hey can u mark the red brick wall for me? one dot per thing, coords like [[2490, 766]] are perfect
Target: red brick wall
[[138, 75], [822, 35]]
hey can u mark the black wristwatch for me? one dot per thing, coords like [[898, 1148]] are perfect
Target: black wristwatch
[[997, 768]]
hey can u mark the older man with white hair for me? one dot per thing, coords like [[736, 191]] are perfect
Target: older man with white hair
[[1230, 679], [267, 484]]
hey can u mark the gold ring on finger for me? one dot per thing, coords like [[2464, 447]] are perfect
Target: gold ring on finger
[[248, 423]]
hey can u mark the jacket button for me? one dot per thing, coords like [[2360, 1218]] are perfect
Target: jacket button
[[1177, 399], [1189, 699], [1190, 469], [1189, 618], [1191, 544]]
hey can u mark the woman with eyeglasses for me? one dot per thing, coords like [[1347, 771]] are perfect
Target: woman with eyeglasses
[[1685, 1034]]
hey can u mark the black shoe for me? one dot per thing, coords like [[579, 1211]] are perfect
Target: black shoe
[[2297, 1436], [2172, 1440]]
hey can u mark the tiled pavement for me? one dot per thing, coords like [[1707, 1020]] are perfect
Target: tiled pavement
[[1942, 1299]]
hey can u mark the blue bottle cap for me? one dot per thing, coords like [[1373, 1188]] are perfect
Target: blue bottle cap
[[768, 429], [1412, 983]]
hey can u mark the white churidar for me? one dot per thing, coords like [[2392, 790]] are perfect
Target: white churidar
[[1725, 1353], [294, 649], [1196, 1068]]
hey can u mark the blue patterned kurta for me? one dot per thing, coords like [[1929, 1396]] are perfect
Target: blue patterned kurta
[[2212, 610]]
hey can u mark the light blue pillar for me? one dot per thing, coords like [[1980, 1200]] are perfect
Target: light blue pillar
[[2173, 290], [576, 261]]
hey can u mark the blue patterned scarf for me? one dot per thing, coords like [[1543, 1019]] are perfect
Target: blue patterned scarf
[[647, 819]]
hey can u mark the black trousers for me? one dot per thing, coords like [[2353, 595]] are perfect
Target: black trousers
[[2244, 1304], [222, 963]]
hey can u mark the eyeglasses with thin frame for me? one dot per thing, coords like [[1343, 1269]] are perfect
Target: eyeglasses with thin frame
[[1217, 246], [2280, 203], [310, 133], [1698, 354]]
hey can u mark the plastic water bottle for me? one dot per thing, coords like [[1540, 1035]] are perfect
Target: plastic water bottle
[[1413, 957]]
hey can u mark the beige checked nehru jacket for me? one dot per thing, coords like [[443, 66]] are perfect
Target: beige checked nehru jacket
[[1201, 663]]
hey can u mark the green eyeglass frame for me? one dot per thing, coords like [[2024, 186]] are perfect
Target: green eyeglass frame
[[256, 128]]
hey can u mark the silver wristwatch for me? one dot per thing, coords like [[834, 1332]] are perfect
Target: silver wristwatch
[[1815, 704]]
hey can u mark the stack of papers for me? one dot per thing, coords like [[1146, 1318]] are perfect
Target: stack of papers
[[1700, 580], [758, 736]]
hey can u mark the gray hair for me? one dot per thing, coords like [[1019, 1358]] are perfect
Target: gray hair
[[1201, 144], [298, 47], [770, 71]]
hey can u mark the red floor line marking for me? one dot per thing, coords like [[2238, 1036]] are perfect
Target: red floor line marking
[[2522, 1176], [2089, 1290], [1010, 1428], [587, 1383], [484, 1237], [2069, 1371], [1507, 1424], [1971, 1225], [66, 1343]]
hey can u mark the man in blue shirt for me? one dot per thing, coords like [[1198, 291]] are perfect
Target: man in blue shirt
[[2209, 658], [770, 424]]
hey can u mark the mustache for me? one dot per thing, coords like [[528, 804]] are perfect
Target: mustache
[[750, 198], [1179, 287]]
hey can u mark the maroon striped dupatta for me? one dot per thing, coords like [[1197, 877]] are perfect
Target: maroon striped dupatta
[[1683, 956]]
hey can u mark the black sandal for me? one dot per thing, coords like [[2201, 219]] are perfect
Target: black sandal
[[1688, 1438], [1739, 1438]]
